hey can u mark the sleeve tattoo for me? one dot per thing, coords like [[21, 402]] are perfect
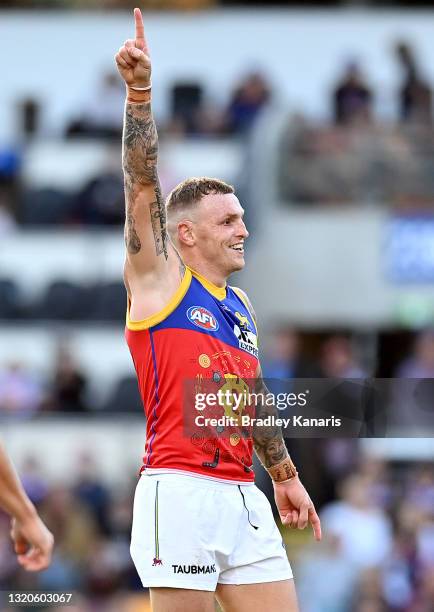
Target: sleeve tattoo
[[268, 442], [139, 160]]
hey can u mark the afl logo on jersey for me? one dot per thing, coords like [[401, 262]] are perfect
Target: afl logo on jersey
[[203, 318]]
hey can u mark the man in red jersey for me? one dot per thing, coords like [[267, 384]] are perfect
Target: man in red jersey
[[201, 528]]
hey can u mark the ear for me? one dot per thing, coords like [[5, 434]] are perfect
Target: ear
[[185, 233]]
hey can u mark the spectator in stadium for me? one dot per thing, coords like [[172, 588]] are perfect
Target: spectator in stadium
[[399, 571], [377, 473], [415, 94], [101, 200], [365, 529], [420, 491], [411, 404], [352, 98], [420, 362], [34, 480], [68, 387], [92, 492], [74, 529], [326, 578], [338, 359], [20, 391], [249, 97], [100, 115], [33, 542], [283, 357]]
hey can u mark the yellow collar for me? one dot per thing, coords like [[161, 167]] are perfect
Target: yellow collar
[[217, 292]]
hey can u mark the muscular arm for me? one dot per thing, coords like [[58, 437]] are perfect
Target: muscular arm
[[268, 441], [32, 541], [148, 252], [145, 215], [13, 498], [295, 507]]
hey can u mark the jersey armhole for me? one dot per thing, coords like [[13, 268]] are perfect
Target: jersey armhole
[[158, 317]]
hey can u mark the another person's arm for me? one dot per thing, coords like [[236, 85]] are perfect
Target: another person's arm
[[33, 542]]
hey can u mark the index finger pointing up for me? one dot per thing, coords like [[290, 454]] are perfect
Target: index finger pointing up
[[140, 31]]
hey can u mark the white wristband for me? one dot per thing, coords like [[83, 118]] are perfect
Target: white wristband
[[141, 88]]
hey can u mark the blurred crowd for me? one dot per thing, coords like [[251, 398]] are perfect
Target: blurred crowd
[[100, 201], [378, 548], [358, 159], [287, 355], [91, 523], [192, 112], [353, 158], [25, 392], [376, 555]]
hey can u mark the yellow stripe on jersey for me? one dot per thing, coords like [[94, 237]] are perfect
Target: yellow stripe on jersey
[[166, 311]]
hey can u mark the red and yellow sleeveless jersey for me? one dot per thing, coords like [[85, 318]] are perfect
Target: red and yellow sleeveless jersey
[[206, 334]]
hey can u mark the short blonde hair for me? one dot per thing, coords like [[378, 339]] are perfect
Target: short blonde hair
[[192, 190]]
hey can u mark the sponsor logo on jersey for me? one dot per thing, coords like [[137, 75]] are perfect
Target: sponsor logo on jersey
[[194, 569], [244, 321], [247, 340], [203, 318]]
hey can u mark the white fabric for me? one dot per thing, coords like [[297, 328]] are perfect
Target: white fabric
[[204, 534]]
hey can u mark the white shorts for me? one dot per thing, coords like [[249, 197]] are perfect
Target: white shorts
[[192, 533]]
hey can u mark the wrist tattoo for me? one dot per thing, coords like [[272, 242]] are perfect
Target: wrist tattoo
[[283, 471]]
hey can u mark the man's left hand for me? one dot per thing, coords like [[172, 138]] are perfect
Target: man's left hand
[[295, 507]]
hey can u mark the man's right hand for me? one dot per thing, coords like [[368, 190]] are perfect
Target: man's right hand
[[132, 59], [33, 542]]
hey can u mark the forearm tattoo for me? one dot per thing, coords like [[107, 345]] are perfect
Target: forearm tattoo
[[268, 442], [139, 160]]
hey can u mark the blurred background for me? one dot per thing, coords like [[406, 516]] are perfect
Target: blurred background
[[321, 116]]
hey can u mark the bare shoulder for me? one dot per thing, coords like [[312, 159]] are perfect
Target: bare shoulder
[[151, 292]]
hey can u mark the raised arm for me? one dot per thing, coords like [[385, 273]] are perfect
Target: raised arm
[[147, 246]]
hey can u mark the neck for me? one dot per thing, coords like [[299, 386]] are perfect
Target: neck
[[204, 269]]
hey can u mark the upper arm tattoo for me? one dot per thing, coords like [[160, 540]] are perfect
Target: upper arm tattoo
[[158, 220], [139, 160]]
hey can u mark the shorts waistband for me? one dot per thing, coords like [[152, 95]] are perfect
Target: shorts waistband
[[197, 479]]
